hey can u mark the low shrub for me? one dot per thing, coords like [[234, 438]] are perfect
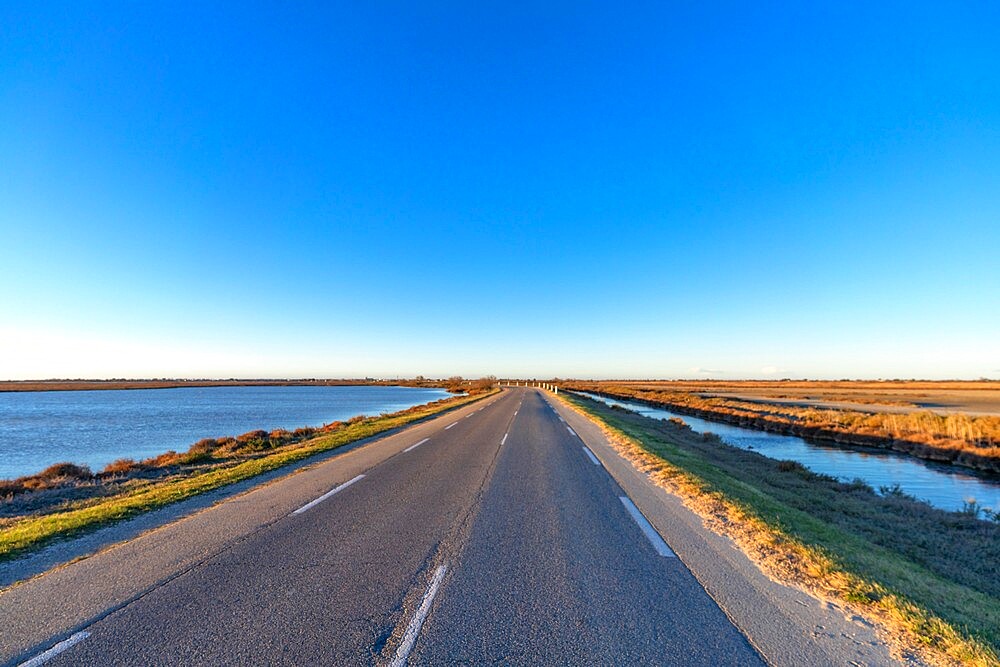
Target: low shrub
[[10, 487], [971, 508], [895, 491], [856, 484], [192, 457], [791, 466], [67, 471], [252, 436], [165, 459], [121, 467], [203, 446]]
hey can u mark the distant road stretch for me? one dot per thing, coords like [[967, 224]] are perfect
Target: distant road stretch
[[490, 535]]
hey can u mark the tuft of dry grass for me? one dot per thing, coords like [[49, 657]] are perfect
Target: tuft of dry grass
[[924, 576]]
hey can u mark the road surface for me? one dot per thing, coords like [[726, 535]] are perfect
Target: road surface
[[492, 534]]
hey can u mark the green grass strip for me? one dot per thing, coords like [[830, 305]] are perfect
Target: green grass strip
[[34, 532]]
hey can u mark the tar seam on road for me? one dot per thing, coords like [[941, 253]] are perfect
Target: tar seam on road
[[571, 430], [413, 629], [414, 446], [55, 650], [326, 495], [590, 455], [450, 425], [647, 528]]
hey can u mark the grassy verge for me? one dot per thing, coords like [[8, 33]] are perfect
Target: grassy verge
[[24, 534], [926, 576]]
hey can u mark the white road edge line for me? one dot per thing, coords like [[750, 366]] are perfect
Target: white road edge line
[[590, 455], [415, 445], [647, 528], [504, 438], [326, 495], [413, 629], [450, 425], [44, 657], [571, 430]]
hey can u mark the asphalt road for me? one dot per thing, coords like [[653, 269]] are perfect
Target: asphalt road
[[557, 571], [489, 535]]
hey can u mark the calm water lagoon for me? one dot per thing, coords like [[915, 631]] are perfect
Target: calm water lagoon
[[943, 486], [94, 428]]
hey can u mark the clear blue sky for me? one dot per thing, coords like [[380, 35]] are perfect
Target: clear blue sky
[[686, 189]]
